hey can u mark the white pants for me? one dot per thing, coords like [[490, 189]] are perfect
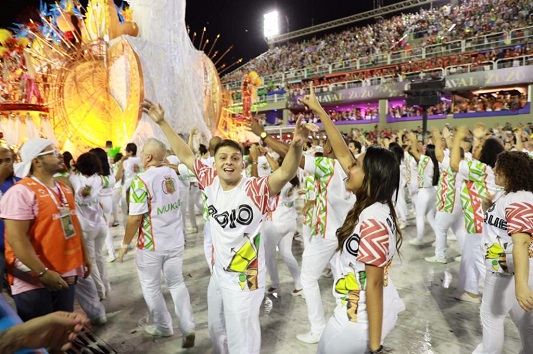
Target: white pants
[[344, 337], [150, 264], [117, 193], [413, 191], [280, 235], [233, 319], [445, 221], [306, 234], [472, 267], [107, 206], [315, 258], [88, 298], [425, 208], [401, 205], [94, 241], [499, 299], [208, 245]]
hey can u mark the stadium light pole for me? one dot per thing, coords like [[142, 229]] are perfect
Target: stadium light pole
[[270, 25]]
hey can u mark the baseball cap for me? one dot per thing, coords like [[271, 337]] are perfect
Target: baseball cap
[[28, 152]]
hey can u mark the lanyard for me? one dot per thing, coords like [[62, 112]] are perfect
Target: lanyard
[[63, 199]]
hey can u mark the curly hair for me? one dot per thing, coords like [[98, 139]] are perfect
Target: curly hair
[[517, 169], [381, 181]]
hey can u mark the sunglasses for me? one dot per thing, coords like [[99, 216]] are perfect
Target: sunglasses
[[55, 152]]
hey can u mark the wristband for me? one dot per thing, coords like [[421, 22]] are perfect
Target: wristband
[[378, 351], [42, 273]]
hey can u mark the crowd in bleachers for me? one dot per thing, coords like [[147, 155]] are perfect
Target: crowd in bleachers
[[505, 101], [368, 112], [408, 32]]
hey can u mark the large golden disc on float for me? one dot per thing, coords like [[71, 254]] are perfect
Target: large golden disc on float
[[213, 102], [98, 97]]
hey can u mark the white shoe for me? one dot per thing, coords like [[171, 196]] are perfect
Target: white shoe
[[416, 242], [435, 259], [111, 258], [467, 298], [309, 337], [154, 331], [457, 259]]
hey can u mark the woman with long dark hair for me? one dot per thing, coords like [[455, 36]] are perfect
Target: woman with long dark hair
[[367, 241], [507, 230], [106, 198]]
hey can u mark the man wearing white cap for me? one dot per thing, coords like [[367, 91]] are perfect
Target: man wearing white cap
[[45, 253]]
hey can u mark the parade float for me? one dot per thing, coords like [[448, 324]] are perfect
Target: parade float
[[80, 75]]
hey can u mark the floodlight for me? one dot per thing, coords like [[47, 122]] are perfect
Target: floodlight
[[271, 24]]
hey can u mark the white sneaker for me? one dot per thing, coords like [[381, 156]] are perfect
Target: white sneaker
[[154, 331], [467, 298], [457, 259], [111, 258], [309, 337], [435, 259], [416, 242]]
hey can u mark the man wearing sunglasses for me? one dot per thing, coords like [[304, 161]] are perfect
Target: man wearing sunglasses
[[44, 249]]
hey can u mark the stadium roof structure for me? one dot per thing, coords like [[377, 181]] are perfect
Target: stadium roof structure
[[367, 15]]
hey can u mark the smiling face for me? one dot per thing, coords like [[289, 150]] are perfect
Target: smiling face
[[356, 175], [229, 165]]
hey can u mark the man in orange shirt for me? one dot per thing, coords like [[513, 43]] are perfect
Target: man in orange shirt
[[45, 252]]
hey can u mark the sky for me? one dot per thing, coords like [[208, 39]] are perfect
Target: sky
[[239, 22]]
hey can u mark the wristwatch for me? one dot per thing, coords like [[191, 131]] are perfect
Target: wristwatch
[[263, 136]]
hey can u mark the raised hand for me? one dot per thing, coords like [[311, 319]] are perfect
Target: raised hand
[[310, 101], [479, 131], [302, 131], [254, 152], [462, 132], [154, 111], [256, 126]]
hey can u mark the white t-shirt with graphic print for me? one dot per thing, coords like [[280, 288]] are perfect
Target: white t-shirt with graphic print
[[373, 242], [510, 214], [156, 195], [236, 217]]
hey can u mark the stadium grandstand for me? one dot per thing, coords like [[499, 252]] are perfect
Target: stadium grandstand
[[482, 48]]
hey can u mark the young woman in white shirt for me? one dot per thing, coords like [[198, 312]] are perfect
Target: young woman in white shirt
[[507, 235], [367, 241]]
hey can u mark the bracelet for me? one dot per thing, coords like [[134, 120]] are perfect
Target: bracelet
[[42, 273], [124, 246], [254, 162], [378, 351]]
